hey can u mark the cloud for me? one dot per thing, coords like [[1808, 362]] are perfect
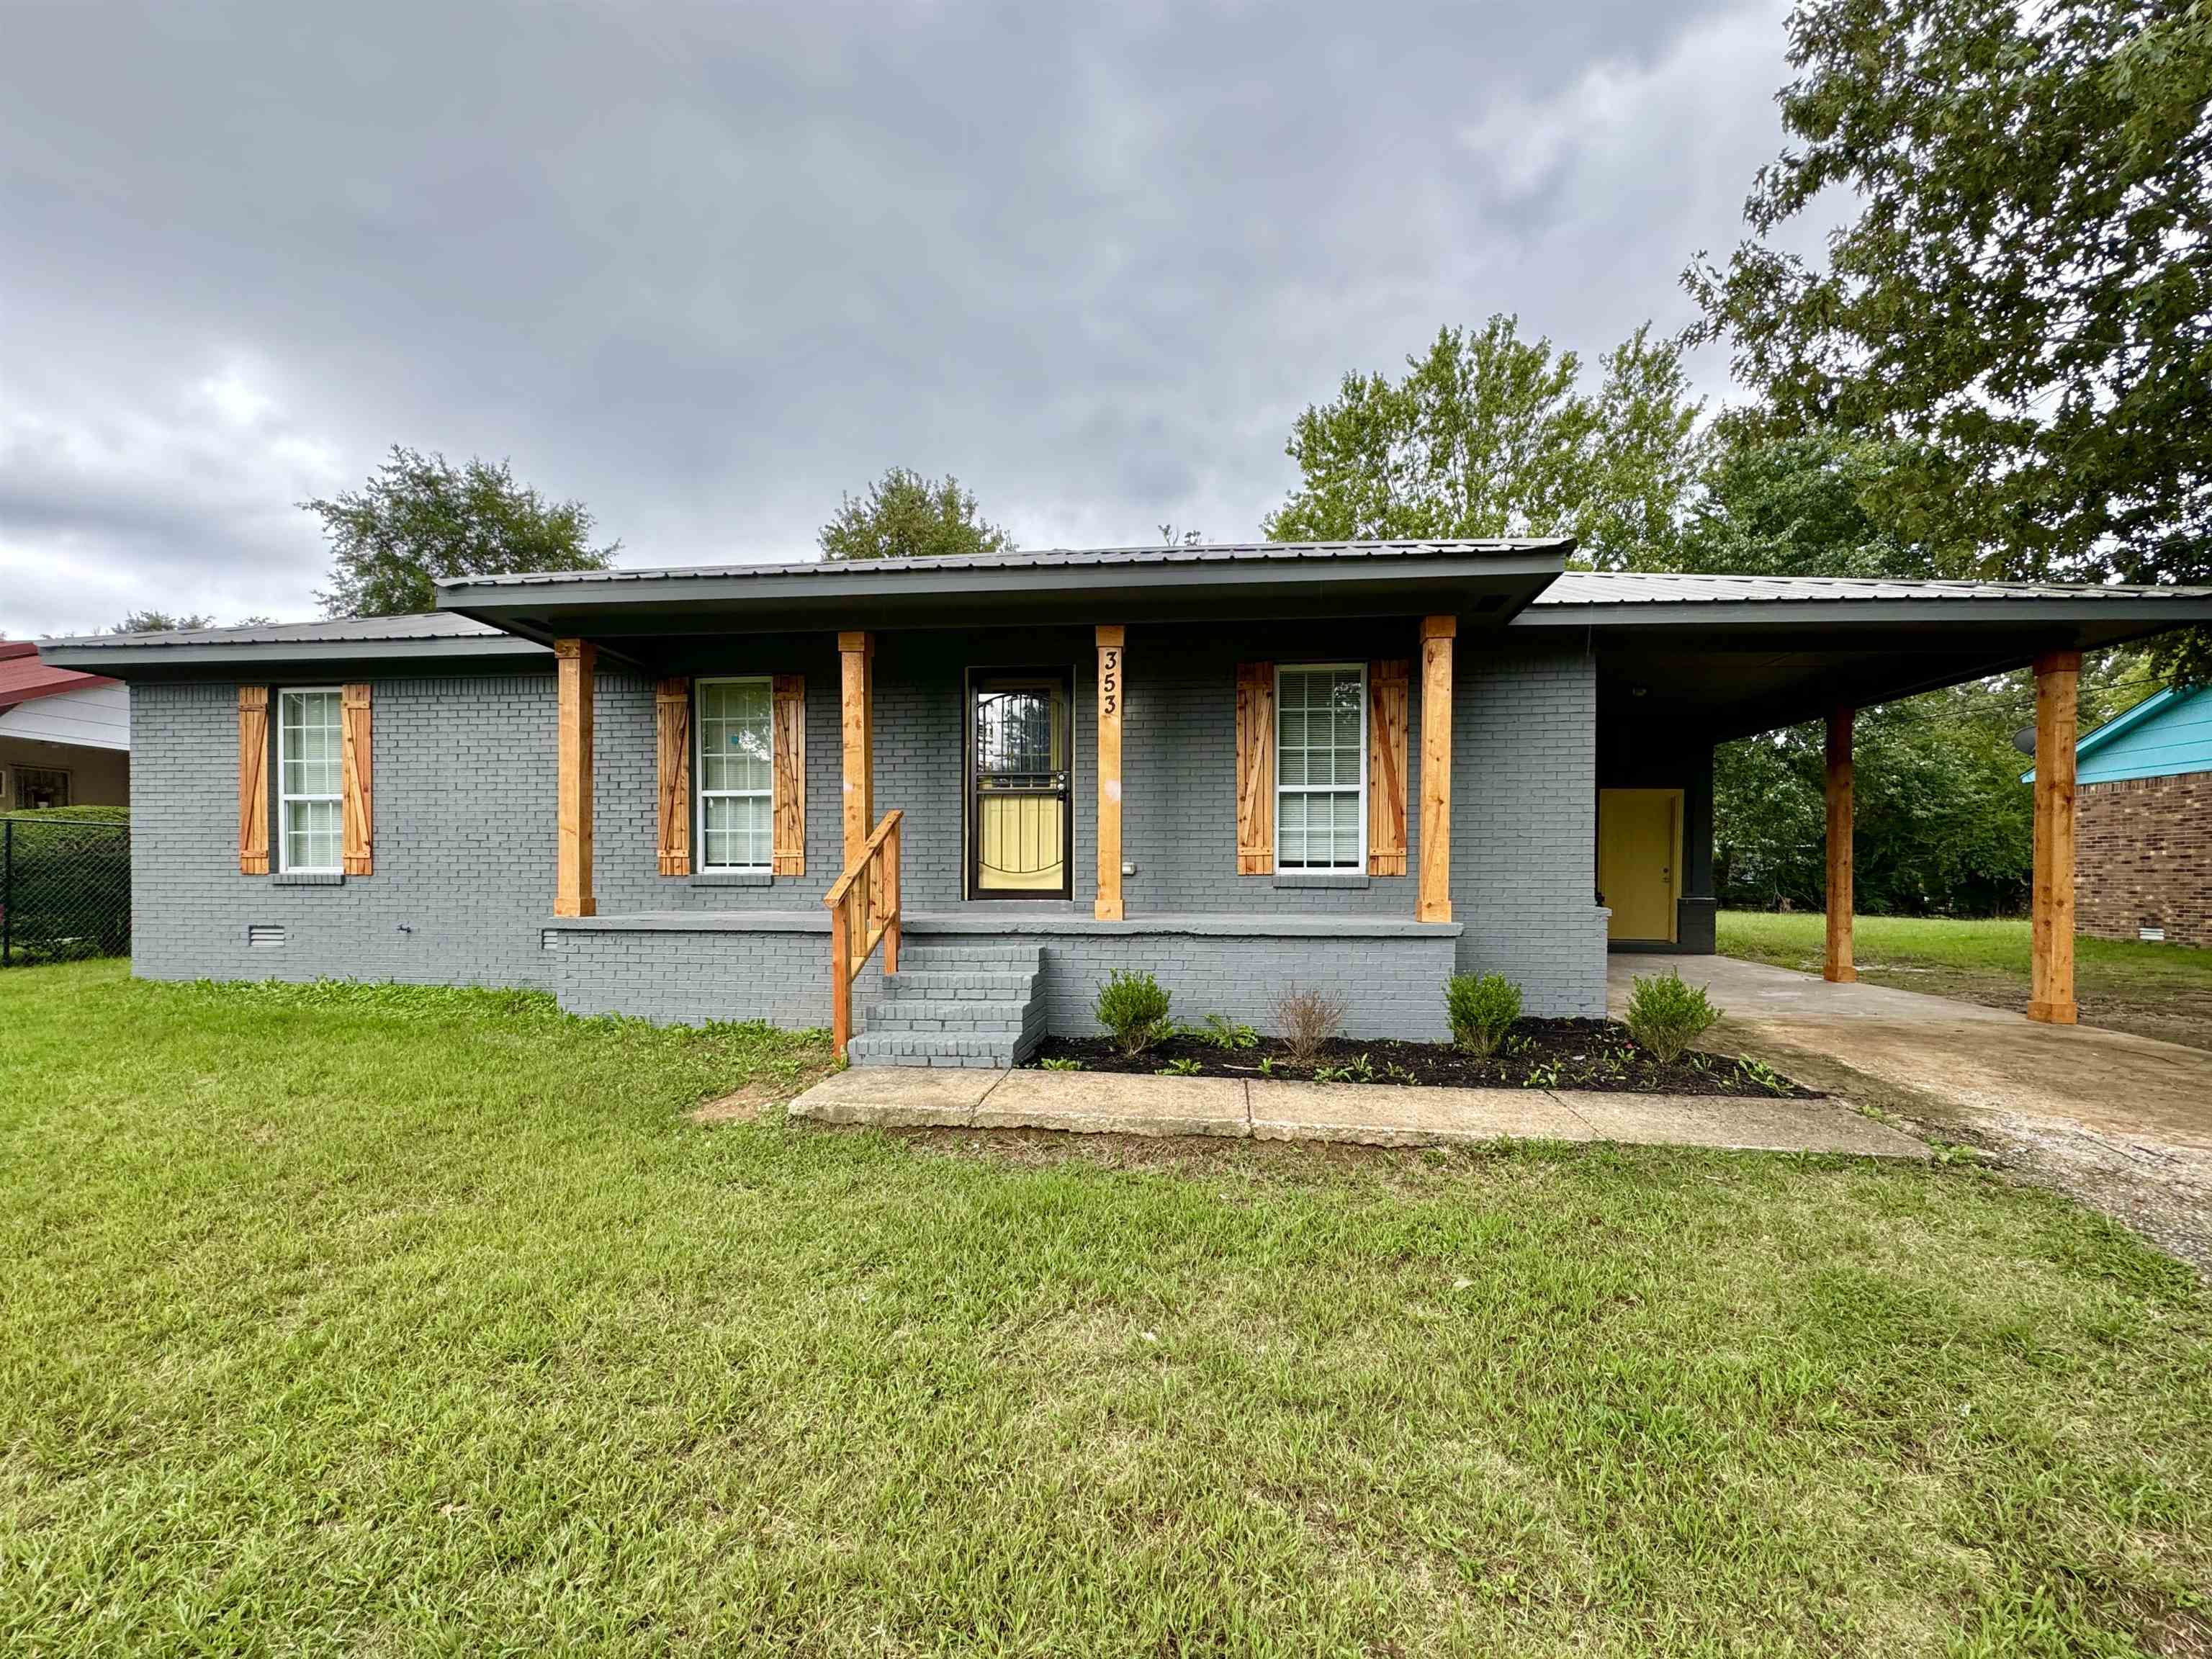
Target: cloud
[[705, 267]]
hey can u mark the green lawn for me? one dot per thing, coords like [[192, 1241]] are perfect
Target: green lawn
[[2160, 990], [343, 1319]]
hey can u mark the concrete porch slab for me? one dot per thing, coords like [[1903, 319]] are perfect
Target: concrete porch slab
[[897, 1096], [1370, 1116], [1777, 1125], [1088, 1102]]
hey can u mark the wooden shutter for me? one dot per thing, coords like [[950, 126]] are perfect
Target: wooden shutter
[[1255, 769], [1389, 694], [671, 709], [253, 780], [356, 808], [789, 706]]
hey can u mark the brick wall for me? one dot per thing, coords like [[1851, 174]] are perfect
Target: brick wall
[[464, 779], [2143, 857], [463, 881], [1391, 985], [691, 978]]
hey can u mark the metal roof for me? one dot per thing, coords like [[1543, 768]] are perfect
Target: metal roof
[[417, 635], [415, 625], [1592, 587], [1040, 559]]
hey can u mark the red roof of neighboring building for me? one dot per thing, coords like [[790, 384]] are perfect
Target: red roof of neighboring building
[[23, 677]]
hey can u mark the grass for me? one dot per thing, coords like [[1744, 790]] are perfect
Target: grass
[[2159, 990], [372, 1320]]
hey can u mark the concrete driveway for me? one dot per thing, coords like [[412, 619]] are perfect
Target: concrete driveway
[[2122, 1122]]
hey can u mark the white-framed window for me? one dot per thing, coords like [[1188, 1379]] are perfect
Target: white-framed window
[[737, 773], [309, 815], [1321, 766]]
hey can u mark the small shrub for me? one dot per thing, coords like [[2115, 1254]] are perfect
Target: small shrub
[[1667, 1015], [1062, 1063], [1185, 1067], [1305, 1020], [1361, 1070], [1761, 1075], [1482, 1009], [1224, 1032], [1132, 1006]]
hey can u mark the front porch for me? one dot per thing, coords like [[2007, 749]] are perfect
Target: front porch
[[1248, 793]]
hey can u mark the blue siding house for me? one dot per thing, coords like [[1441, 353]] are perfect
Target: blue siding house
[[2144, 826]]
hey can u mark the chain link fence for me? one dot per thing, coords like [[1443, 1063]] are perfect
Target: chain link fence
[[64, 888]]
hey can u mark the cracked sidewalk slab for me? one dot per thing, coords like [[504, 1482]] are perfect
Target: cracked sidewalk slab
[[1103, 1102], [899, 1096], [1106, 1102], [1371, 1114]]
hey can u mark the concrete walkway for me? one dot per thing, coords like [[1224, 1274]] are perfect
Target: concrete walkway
[[2120, 1121], [1374, 1114]]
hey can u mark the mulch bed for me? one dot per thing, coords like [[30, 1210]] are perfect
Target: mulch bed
[[1539, 1053]]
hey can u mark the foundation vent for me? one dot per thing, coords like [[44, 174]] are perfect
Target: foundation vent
[[264, 934]]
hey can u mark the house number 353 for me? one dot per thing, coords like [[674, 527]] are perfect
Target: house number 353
[[1109, 681]]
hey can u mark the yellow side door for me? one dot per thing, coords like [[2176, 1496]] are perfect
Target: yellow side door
[[1639, 847]]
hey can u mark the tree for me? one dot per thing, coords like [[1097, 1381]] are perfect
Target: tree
[[1941, 825], [160, 621], [1813, 502], [1490, 435], [2025, 292], [419, 519], [907, 516]]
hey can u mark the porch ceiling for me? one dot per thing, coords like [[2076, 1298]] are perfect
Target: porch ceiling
[[1482, 582], [1734, 681]]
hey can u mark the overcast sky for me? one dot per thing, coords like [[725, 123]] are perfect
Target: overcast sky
[[706, 265]]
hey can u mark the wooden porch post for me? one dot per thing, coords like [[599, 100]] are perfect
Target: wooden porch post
[[2050, 964], [857, 653], [1436, 635], [573, 664], [1107, 905], [1838, 968]]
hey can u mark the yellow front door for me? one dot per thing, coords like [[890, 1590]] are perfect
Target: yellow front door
[[1639, 849]]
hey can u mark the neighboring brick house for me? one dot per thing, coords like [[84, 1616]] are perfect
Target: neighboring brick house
[[2143, 801], [1351, 767]]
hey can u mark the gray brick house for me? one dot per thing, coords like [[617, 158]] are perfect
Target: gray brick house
[[1357, 766]]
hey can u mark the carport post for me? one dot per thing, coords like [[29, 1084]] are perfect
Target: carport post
[[2050, 961], [1838, 969]]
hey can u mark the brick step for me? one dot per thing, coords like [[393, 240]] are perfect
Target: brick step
[[961, 984], [912, 1013], [946, 1048], [927, 958], [956, 1004]]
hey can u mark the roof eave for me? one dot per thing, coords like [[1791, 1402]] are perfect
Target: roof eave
[[2178, 611], [861, 596], [143, 661]]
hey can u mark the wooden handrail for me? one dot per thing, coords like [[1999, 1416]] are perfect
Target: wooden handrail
[[860, 858], [864, 912]]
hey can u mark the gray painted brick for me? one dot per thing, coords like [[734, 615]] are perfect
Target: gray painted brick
[[464, 850]]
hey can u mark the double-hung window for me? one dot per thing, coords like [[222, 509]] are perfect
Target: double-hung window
[[308, 781], [736, 808], [1321, 766]]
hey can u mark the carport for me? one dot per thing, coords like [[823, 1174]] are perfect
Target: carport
[[1686, 662]]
